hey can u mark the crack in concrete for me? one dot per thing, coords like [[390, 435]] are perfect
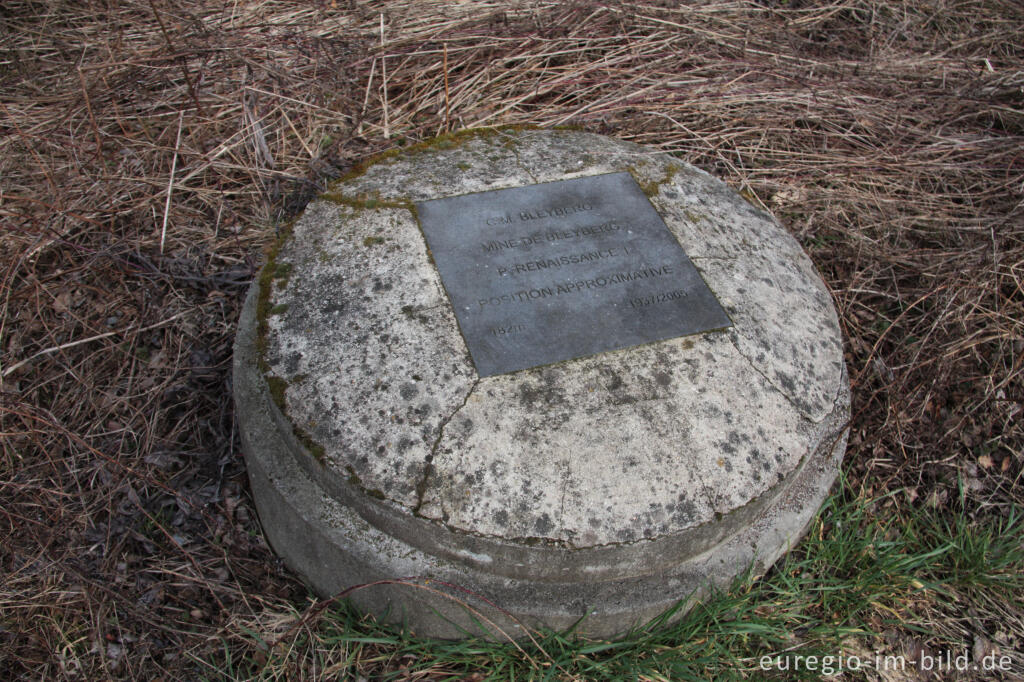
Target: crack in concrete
[[565, 487], [729, 258], [786, 396], [707, 492], [739, 252], [510, 145], [448, 419], [842, 391], [428, 470]]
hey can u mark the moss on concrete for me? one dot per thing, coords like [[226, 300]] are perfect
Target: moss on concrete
[[447, 141], [282, 271], [314, 448], [264, 281], [363, 202], [274, 272], [277, 387], [652, 187], [354, 480]]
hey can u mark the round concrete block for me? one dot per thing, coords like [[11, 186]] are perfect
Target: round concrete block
[[603, 485]]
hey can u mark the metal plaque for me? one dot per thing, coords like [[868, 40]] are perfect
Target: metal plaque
[[561, 270]]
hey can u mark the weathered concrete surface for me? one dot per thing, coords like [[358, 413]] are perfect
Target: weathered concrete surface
[[616, 483]]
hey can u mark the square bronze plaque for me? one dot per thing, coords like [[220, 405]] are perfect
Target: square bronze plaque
[[560, 270]]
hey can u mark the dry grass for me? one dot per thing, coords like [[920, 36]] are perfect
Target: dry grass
[[149, 149]]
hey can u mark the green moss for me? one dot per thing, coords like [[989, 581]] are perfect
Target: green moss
[[652, 187], [262, 312], [671, 173], [277, 272], [277, 387], [446, 141], [363, 203], [272, 271], [354, 480], [314, 448], [282, 271], [371, 241]]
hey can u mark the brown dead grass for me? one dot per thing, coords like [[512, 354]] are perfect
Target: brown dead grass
[[149, 149]]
